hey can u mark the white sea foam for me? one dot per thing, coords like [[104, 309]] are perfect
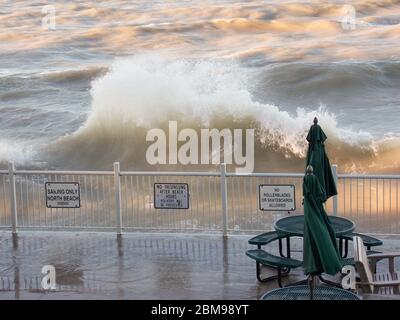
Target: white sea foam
[[145, 91]]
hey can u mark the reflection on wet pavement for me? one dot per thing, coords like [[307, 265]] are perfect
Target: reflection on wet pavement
[[134, 266]]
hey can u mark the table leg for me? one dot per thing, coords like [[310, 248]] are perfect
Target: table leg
[[282, 272], [280, 248], [346, 248], [288, 246], [341, 247], [331, 283]]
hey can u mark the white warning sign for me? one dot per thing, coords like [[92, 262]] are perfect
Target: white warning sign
[[277, 197], [62, 195], [171, 196]]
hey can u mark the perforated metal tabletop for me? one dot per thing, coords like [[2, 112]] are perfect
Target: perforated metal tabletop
[[303, 293], [294, 225]]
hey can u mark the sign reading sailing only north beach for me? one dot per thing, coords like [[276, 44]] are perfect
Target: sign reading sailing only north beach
[[171, 196], [62, 195], [277, 197]]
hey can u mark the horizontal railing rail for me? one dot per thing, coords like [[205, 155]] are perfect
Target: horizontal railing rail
[[219, 201]]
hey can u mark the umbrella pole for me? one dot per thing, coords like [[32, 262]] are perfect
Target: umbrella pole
[[311, 286]]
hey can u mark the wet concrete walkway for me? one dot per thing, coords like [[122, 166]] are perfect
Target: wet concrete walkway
[[135, 266]]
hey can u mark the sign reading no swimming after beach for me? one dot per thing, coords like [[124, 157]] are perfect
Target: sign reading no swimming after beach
[[277, 197], [62, 195], [171, 196]]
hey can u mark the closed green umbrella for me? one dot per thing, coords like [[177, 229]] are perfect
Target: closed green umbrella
[[320, 252], [317, 158]]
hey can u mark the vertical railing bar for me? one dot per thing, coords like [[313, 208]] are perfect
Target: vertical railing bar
[[192, 197], [344, 196], [224, 196], [93, 214], [63, 219], [171, 221], [152, 213], [62, 223], [139, 215], [240, 204], [85, 195], [78, 211], [351, 197], [254, 191], [251, 198], [98, 210], [71, 216], [27, 200], [397, 201], [197, 204], [132, 215], [236, 205], [69, 178], [383, 202], [23, 222], [335, 198], [201, 201], [215, 202], [144, 201], [72, 220], [90, 178], [370, 200], [45, 179], [357, 197], [363, 199], [377, 203], [83, 201], [231, 183], [87, 202], [110, 201], [126, 199], [179, 213], [244, 201], [56, 210], [248, 213], [165, 214], [13, 195], [67, 221], [117, 182], [209, 202], [390, 200], [203, 206], [247, 210], [4, 201], [104, 201], [189, 216], [37, 201]]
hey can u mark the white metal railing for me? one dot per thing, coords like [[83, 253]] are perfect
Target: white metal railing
[[219, 201]]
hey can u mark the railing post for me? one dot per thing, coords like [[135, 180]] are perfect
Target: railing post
[[224, 199], [117, 184], [335, 198], [13, 193]]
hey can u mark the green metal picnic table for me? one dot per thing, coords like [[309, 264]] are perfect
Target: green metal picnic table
[[293, 226]]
